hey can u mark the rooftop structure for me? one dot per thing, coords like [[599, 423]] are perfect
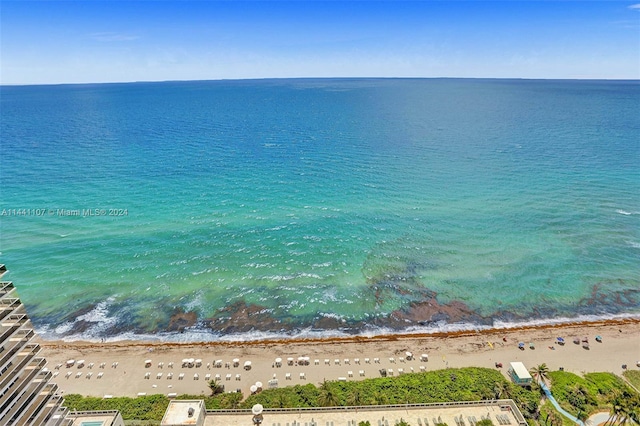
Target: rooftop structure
[[519, 374], [185, 412], [96, 418], [468, 413]]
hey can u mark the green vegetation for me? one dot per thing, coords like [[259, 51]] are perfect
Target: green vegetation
[[470, 384], [580, 396], [150, 407], [633, 376]]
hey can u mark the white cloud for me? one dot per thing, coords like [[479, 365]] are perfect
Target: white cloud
[[635, 6], [113, 37]]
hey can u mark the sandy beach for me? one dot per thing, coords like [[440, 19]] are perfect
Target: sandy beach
[[119, 369]]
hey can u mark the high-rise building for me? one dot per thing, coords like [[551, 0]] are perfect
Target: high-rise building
[[26, 395]]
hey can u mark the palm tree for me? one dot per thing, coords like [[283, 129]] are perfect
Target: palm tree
[[215, 387], [554, 419], [540, 373], [328, 397], [577, 396], [499, 389], [355, 397], [380, 398], [624, 408], [281, 400]]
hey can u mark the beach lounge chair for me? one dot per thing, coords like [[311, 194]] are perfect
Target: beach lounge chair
[[103, 364], [287, 376], [160, 364], [302, 376], [237, 376], [327, 361], [422, 368], [169, 376], [99, 376], [217, 377], [350, 373], [400, 371], [196, 376], [357, 360], [316, 362], [147, 375], [367, 361], [90, 365], [227, 377], [159, 376], [66, 376], [88, 376], [78, 374], [392, 360], [181, 376], [390, 371], [346, 360], [376, 360], [207, 377], [361, 373], [55, 374], [337, 361]]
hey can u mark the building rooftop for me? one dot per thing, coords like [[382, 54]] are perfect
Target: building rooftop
[[500, 412], [520, 370], [95, 418], [185, 412]]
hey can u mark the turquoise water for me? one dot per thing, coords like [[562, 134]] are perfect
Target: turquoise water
[[317, 207]]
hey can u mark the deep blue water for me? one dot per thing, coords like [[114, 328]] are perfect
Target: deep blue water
[[298, 207]]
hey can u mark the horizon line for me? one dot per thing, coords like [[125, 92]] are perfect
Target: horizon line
[[317, 78]]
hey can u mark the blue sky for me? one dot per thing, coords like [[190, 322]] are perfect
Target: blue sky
[[113, 41]]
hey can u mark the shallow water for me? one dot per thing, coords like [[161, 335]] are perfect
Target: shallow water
[[285, 207]]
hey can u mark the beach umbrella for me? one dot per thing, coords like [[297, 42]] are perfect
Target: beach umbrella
[[576, 340], [598, 338], [560, 340], [198, 361], [259, 385], [71, 362], [424, 357], [521, 345], [236, 360], [253, 388], [81, 363], [409, 355], [257, 409]]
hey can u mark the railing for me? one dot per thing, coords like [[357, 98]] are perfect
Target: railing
[[94, 413], [501, 402]]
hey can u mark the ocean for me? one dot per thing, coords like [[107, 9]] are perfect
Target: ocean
[[256, 209]]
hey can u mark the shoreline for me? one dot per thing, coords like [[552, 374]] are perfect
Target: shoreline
[[350, 339], [126, 373]]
